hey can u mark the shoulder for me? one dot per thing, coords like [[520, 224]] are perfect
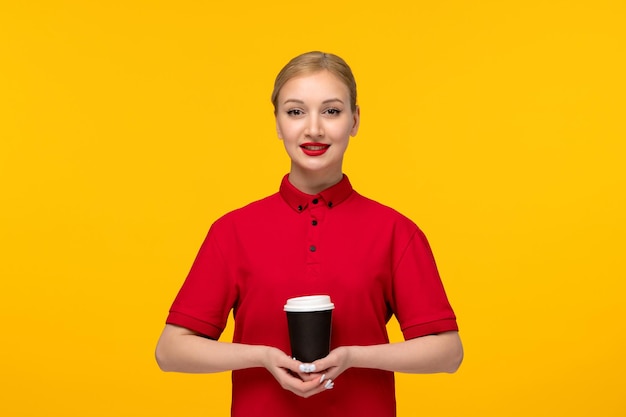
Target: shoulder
[[379, 212], [250, 211]]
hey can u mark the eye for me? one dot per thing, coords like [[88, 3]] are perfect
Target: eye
[[295, 112], [333, 112]]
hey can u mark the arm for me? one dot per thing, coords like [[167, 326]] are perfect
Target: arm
[[423, 355], [182, 350], [428, 354]]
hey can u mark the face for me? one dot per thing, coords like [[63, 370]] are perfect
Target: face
[[315, 122]]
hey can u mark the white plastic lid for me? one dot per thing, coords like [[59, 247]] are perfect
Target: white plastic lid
[[309, 303]]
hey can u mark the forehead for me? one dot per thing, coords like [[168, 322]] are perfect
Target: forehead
[[321, 85]]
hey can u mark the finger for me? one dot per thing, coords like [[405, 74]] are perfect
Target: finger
[[325, 364], [329, 384], [304, 388], [308, 377], [321, 386], [307, 371], [291, 363], [307, 368]]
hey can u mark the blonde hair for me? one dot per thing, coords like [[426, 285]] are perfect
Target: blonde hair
[[312, 62]]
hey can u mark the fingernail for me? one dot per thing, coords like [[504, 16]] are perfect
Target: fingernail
[[307, 368], [329, 384], [322, 378]]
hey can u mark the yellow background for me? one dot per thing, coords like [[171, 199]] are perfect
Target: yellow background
[[128, 127]]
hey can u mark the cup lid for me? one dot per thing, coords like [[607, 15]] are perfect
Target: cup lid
[[309, 303]]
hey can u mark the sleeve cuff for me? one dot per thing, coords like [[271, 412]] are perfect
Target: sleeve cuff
[[433, 327], [191, 323]]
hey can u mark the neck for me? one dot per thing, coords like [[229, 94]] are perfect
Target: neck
[[314, 182]]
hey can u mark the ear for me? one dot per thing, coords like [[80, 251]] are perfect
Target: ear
[[357, 121]]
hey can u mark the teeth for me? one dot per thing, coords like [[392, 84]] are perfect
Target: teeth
[[315, 148]]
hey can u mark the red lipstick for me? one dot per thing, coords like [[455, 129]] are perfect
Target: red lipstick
[[314, 148]]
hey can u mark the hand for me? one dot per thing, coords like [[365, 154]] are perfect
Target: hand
[[329, 368], [289, 374]]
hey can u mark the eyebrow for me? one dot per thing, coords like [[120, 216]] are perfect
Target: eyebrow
[[294, 100]]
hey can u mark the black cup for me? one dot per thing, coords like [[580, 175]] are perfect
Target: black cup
[[309, 320]]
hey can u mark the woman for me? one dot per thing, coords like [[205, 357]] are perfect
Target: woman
[[317, 235]]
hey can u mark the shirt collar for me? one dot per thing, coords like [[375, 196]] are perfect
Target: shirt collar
[[331, 197]]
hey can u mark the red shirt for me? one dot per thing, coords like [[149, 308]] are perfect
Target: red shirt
[[371, 260]]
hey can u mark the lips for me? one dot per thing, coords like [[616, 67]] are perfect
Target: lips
[[314, 148]]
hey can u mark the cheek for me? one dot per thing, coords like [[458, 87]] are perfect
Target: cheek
[[288, 130], [288, 133], [347, 132]]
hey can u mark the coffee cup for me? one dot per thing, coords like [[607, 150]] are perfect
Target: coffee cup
[[309, 320]]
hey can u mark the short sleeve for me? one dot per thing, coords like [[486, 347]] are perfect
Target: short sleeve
[[209, 292], [420, 302]]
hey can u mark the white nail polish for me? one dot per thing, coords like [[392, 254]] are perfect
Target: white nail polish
[[307, 368], [329, 384], [322, 378]]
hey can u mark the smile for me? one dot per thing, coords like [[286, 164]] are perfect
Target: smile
[[314, 149]]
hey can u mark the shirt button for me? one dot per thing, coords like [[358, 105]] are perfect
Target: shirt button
[[299, 208], [314, 222], [312, 248], [330, 204], [315, 201]]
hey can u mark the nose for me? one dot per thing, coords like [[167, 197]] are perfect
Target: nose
[[314, 126]]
